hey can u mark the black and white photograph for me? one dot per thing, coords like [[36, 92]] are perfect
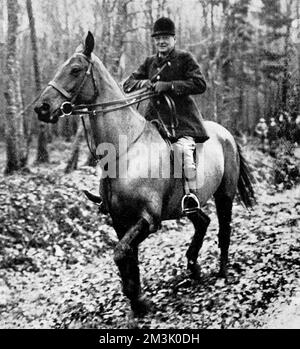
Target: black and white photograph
[[150, 167]]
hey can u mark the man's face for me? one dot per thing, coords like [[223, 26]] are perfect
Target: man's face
[[164, 43]]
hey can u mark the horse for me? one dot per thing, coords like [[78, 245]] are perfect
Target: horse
[[137, 204]]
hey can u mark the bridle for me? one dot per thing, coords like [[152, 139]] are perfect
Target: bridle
[[66, 106], [69, 108]]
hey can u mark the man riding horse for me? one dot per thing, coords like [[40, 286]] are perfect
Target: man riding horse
[[137, 203], [174, 73], [180, 79]]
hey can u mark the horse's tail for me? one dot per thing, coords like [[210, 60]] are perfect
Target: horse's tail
[[245, 181]]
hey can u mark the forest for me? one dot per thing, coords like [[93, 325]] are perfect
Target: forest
[[57, 248]]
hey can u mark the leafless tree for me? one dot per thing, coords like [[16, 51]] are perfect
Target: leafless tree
[[42, 152], [15, 142]]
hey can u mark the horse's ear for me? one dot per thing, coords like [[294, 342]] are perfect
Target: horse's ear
[[89, 44]]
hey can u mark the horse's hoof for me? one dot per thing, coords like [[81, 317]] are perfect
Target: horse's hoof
[[140, 307], [194, 270]]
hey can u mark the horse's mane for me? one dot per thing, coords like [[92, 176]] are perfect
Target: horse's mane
[[111, 83], [105, 74]]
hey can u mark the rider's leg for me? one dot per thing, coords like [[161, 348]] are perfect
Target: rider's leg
[[185, 151]]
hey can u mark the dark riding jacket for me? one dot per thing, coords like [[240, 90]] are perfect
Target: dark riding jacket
[[187, 79]]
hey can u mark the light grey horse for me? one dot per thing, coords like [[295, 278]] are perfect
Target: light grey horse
[[138, 203]]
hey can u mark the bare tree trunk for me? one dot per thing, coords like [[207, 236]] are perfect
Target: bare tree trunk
[[42, 152], [161, 8], [214, 74], [241, 102], [15, 142], [257, 84], [67, 30], [2, 42], [298, 49], [120, 31], [285, 82], [106, 30], [150, 23], [2, 53], [212, 21], [204, 6]]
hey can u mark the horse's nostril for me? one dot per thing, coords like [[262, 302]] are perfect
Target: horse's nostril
[[45, 107]]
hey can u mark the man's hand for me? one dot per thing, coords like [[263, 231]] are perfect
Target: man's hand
[[146, 84], [162, 86]]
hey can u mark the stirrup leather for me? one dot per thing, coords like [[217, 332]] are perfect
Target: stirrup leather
[[185, 201]]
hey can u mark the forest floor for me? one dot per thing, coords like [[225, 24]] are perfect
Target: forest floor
[[57, 269]]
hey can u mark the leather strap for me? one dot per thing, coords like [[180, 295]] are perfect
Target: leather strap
[[60, 89]]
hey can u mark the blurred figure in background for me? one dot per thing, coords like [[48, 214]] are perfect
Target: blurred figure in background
[[273, 133], [282, 124], [261, 130]]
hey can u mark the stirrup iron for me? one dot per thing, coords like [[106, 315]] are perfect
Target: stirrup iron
[[184, 207]]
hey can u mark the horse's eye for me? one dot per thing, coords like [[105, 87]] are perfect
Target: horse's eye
[[76, 71]]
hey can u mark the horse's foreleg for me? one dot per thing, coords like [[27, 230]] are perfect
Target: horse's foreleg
[[224, 211], [126, 258], [200, 221]]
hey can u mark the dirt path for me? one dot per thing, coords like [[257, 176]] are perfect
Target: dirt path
[[285, 316], [66, 278], [60, 294]]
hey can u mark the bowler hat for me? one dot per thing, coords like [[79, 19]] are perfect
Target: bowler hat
[[163, 26]]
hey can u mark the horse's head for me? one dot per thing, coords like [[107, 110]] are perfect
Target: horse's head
[[72, 83]]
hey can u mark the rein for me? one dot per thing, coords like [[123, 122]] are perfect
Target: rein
[[68, 108]]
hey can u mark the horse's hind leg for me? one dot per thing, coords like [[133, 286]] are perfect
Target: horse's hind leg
[[200, 221], [126, 258], [224, 212]]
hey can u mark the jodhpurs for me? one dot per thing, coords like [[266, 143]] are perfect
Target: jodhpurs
[[185, 153]]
